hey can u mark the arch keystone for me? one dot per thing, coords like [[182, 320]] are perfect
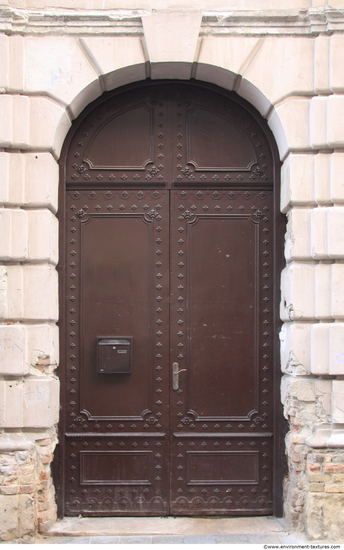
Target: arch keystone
[[171, 40]]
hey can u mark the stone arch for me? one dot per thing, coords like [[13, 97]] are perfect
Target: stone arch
[[225, 78]]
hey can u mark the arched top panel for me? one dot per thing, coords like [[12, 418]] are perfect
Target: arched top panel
[[169, 134]]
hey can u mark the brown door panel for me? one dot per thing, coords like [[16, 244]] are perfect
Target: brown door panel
[[117, 428], [168, 215], [221, 416]]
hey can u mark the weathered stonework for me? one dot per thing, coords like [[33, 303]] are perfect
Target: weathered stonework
[[324, 494], [59, 56], [26, 490]]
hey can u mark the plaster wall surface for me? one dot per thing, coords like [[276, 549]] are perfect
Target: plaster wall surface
[[57, 57]]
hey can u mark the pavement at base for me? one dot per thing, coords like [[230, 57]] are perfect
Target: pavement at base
[[170, 530]]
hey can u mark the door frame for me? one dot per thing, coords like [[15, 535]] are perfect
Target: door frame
[[280, 423]]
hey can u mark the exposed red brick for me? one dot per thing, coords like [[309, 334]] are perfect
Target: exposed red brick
[[314, 467], [42, 506], [26, 488], [44, 442], [334, 468]]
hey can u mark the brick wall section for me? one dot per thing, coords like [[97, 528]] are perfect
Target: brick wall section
[[324, 484], [46, 505], [18, 475], [27, 494], [294, 489]]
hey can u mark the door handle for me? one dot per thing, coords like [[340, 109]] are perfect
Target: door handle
[[175, 375]]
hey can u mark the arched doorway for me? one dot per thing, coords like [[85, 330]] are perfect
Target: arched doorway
[[170, 250]]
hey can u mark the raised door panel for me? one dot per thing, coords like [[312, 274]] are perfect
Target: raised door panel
[[122, 142], [118, 283], [221, 414], [215, 141]]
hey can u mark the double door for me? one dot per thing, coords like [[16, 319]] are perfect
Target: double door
[[176, 415]]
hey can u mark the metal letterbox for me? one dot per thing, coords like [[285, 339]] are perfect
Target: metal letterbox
[[114, 354]]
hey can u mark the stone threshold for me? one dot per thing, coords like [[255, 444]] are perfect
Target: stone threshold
[[130, 526]]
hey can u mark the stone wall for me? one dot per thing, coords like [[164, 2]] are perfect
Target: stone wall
[[27, 500], [58, 56]]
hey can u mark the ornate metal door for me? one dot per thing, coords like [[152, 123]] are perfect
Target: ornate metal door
[[221, 318], [169, 333]]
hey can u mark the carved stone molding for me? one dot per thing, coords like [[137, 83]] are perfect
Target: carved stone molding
[[129, 22], [290, 21]]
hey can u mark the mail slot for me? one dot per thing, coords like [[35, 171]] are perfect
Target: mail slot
[[114, 354]]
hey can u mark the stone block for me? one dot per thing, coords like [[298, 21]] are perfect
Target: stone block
[[3, 291], [56, 65], [14, 296], [5, 231], [322, 178], [42, 346], [14, 412], [298, 236], [17, 232], [296, 348], [337, 349], [6, 128], [335, 123], [302, 389], [276, 125], [253, 95], [295, 119], [323, 394], [4, 178], [334, 488], [21, 126], [322, 64], [9, 490], [2, 402], [12, 350], [336, 63], [41, 180], [14, 231], [324, 516], [323, 291], [297, 181], [43, 231], [318, 124], [317, 487], [26, 514], [49, 124], [319, 239], [40, 293], [337, 180], [334, 468], [337, 294], [9, 517], [171, 37], [19, 246], [120, 60], [338, 405], [231, 56], [4, 67], [12, 178], [291, 67], [16, 63], [41, 402], [335, 234], [36, 122], [338, 478], [319, 478], [298, 292], [320, 349]]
